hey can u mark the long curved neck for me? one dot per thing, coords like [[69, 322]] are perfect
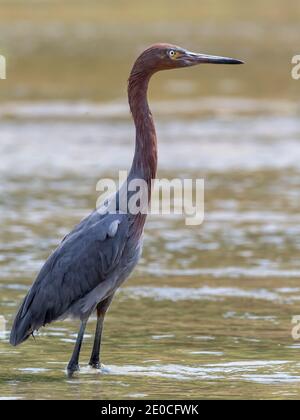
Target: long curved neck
[[144, 163]]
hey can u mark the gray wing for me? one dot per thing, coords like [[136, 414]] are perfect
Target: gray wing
[[84, 259]]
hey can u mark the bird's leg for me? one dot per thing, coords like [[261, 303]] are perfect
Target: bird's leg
[[73, 365], [101, 311], [95, 356]]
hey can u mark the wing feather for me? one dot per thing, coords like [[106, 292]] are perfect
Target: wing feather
[[84, 259]]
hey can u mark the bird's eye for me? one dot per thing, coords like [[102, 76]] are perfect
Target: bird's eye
[[172, 53]]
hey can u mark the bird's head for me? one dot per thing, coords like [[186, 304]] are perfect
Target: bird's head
[[167, 56]]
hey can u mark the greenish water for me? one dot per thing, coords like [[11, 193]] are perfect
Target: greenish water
[[208, 312]]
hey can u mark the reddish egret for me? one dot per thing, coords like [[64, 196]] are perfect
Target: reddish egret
[[84, 272]]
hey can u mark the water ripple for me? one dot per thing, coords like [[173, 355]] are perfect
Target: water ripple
[[203, 293]]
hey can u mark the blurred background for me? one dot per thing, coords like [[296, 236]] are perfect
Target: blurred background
[[208, 312], [79, 50]]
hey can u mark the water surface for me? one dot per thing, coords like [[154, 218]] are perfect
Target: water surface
[[208, 312]]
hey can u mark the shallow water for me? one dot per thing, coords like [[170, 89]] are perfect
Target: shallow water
[[208, 312]]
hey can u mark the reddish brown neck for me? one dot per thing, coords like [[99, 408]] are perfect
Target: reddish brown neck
[[145, 158]]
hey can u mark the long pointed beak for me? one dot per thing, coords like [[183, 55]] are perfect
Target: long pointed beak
[[194, 59]]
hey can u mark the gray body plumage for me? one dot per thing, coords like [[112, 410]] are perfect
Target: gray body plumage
[[87, 267]]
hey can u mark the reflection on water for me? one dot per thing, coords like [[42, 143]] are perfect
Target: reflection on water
[[208, 312]]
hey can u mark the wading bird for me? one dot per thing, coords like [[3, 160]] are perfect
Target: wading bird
[[84, 272]]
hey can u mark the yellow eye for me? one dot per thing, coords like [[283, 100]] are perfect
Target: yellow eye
[[172, 54]]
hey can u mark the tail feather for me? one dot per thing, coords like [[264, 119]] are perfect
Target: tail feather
[[22, 327], [37, 310]]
